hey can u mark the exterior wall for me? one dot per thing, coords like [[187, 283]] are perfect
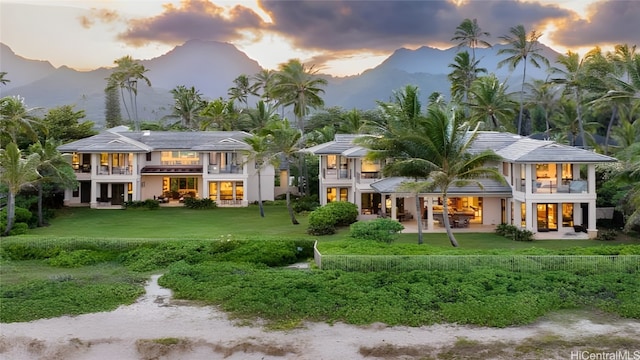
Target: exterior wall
[[491, 211], [152, 186]]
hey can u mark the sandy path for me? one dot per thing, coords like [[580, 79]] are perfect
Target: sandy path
[[207, 333]]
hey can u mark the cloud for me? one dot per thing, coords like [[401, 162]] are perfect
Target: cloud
[[193, 19], [614, 21], [387, 25], [103, 15]]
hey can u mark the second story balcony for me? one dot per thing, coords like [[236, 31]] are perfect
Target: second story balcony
[[551, 186]]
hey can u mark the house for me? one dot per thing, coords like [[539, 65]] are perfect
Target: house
[[119, 165], [548, 187]]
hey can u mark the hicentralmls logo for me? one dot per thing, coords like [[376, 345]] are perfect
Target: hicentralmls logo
[[615, 355]]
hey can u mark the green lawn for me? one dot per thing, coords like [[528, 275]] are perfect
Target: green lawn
[[175, 223], [246, 223]]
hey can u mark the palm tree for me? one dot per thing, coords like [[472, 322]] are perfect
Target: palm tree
[[264, 80], [283, 143], [126, 76], [447, 140], [575, 78], [545, 96], [464, 72], [469, 34], [17, 172], [218, 114], [53, 167], [260, 116], [522, 48], [3, 80], [16, 119], [242, 89], [261, 154], [298, 85], [188, 105], [490, 103]]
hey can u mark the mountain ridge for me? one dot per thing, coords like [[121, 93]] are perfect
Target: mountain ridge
[[211, 67]]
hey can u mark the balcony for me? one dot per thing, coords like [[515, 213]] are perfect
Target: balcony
[[550, 186], [333, 174], [114, 170], [227, 169]]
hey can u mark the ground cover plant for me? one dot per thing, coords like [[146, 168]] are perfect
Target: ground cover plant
[[244, 272]]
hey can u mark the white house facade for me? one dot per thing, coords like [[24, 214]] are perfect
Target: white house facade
[[548, 187], [119, 165]]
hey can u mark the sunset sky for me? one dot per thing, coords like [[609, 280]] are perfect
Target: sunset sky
[[338, 37]]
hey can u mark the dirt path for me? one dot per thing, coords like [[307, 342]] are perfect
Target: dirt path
[[157, 327]]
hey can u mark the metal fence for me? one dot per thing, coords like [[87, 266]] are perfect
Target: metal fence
[[516, 263]]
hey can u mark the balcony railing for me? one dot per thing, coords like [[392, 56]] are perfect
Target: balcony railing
[[336, 174], [114, 170], [227, 169], [550, 186]]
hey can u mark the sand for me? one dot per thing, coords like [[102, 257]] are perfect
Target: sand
[[158, 327]]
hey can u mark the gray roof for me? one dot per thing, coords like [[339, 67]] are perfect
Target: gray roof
[[115, 140], [489, 187], [511, 147]]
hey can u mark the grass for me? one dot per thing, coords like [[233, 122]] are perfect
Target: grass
[[84, 263], [174, 223]]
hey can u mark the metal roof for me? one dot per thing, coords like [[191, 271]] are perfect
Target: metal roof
[[489, 187], [116, 140]]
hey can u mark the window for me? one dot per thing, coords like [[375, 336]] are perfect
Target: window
[[226, 191], [184, 185], [179, 158], [148, 156], [213, 191], [239, 190], [337, 194], [104, 159], [332, 162]]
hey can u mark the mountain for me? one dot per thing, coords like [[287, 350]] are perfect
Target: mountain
[[211, 67]]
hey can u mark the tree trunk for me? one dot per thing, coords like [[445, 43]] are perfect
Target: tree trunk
[[447, 225], [581, 128], [289, 207], [419, 219], [260, 195], [524, 76], [612, 120], [11, 212]]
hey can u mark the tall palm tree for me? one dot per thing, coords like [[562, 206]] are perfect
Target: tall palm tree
[[575, 78], [126, 75], [188, 104], [17, 119], [262, 155], [464, 72], [263, 80], [522, 47], [545, 96], [242, 89], [299, 86], [218, 114], [17, 172], [261, 115], [469, 34], [54, 168], [491, 104], [448, 139], [283, 142]]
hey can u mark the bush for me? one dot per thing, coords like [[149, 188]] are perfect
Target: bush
[[199, 204], [306, 203], [607, 235], [19, 228], [321, 222], [78, 258], [150, 204], [343, 212], [384, 230], [513, 232]]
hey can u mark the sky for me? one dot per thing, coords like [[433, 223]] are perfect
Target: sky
[[337, 37]]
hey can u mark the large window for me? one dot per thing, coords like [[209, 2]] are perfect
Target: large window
[[337, 194], [226, 192], [225, 162], [179, 158], [371, 203], [183, 185], [370, 169]]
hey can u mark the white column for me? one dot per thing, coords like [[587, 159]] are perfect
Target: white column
[[517, 213], [577, 214], [530, 209], [528, 180], [430, 213], [591, 229], [394, 210], [95, 163], [591, 180]]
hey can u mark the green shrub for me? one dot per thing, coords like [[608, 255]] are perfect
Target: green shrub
[[199, 204], [343, 212], [321, 222], [384, 230], [306, 203], [150, 204], [607, 235], [19, 228], [513, 232], [78, 258]]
